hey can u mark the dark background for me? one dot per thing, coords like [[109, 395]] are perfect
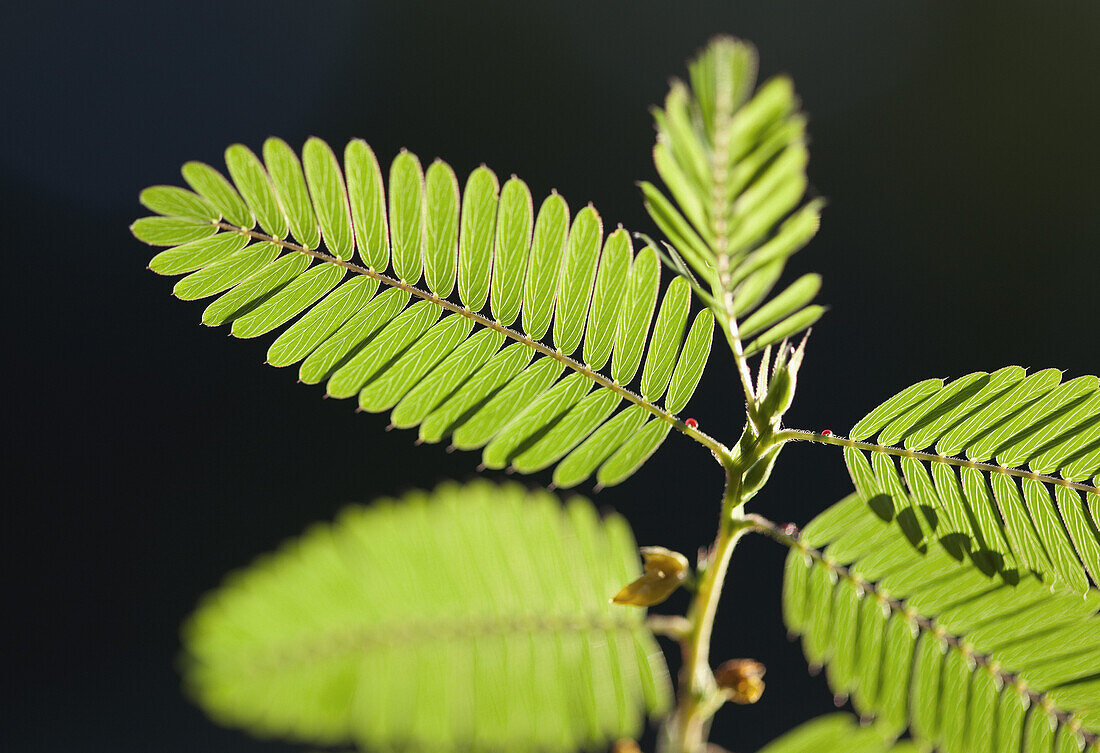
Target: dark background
[[955, 141]]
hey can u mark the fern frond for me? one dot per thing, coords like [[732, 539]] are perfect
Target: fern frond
[[972, 663], [836, 733], [279, 242], [473, 618], [995, 465], [734, 163]]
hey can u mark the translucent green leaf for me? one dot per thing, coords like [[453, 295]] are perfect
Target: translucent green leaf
[[544, 265], [583, 461], [787, 328], [414, 363], [664, 345], [290, 301], [197, 254], [173, 201], [801, 292], [514, 226], [255, 290], [633, 453], [376, 353], [534, 418], [212, 186], [476, 238], [639, 300], [836, 733], [354, 333], [290, 187], [614, 268], [577, 275], [894, 407], [693, 359], [367, 199], [255, 187], [300, 643], [231, 270], [330, 197], [306, 334], [466, 359], [581, 420], [497, 371], [170, 231], [506, 403], [441, 248], [407, 216]]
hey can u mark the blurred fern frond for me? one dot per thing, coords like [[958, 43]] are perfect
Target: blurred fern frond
[[279, 242], [969, 662], [837, 733], [471, 618]]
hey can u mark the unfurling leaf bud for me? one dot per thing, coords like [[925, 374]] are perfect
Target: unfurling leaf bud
[[741, 680], [665, 570], [784, 379]]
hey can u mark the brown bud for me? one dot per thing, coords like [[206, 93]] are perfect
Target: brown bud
[[741, 680], [665, 570], [625, 745]]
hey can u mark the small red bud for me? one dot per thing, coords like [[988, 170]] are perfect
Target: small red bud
[[692, 423], [826, 433]]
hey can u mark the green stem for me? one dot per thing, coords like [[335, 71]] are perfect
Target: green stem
[[699, 697]]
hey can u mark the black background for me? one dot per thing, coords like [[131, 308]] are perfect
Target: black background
[[956, 143]]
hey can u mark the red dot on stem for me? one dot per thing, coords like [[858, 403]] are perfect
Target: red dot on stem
[[692, 423], [826, 433]]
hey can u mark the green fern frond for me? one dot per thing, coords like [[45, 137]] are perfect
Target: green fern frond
[[836, 733], [734, 163], [473, 618], [278, 242], [1022, 438], [972, 663]]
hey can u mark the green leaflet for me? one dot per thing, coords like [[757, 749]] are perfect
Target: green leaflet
[[171, 231], [1001, 519], [787, 328], [197, 254], [407, 216], [290, 188], [398, 379], [233, 268], [578, 272], [212, 186], [448, 375], [253, 291], [903, 674], [801, 292], [352, 335], [367, 199], [173, 201], [485, 242], [330, 197], [289, 302], [302, 641], [547, 247], [476, 237], [640, 298], [256, 189], [441, 247], [614, 268], [668, 333], [581, 462], [320, 322], [375, 355], [506, 404], [630, 456]]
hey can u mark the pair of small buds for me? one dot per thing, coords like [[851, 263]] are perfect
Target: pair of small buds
[[741, 680], [665, 571]]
